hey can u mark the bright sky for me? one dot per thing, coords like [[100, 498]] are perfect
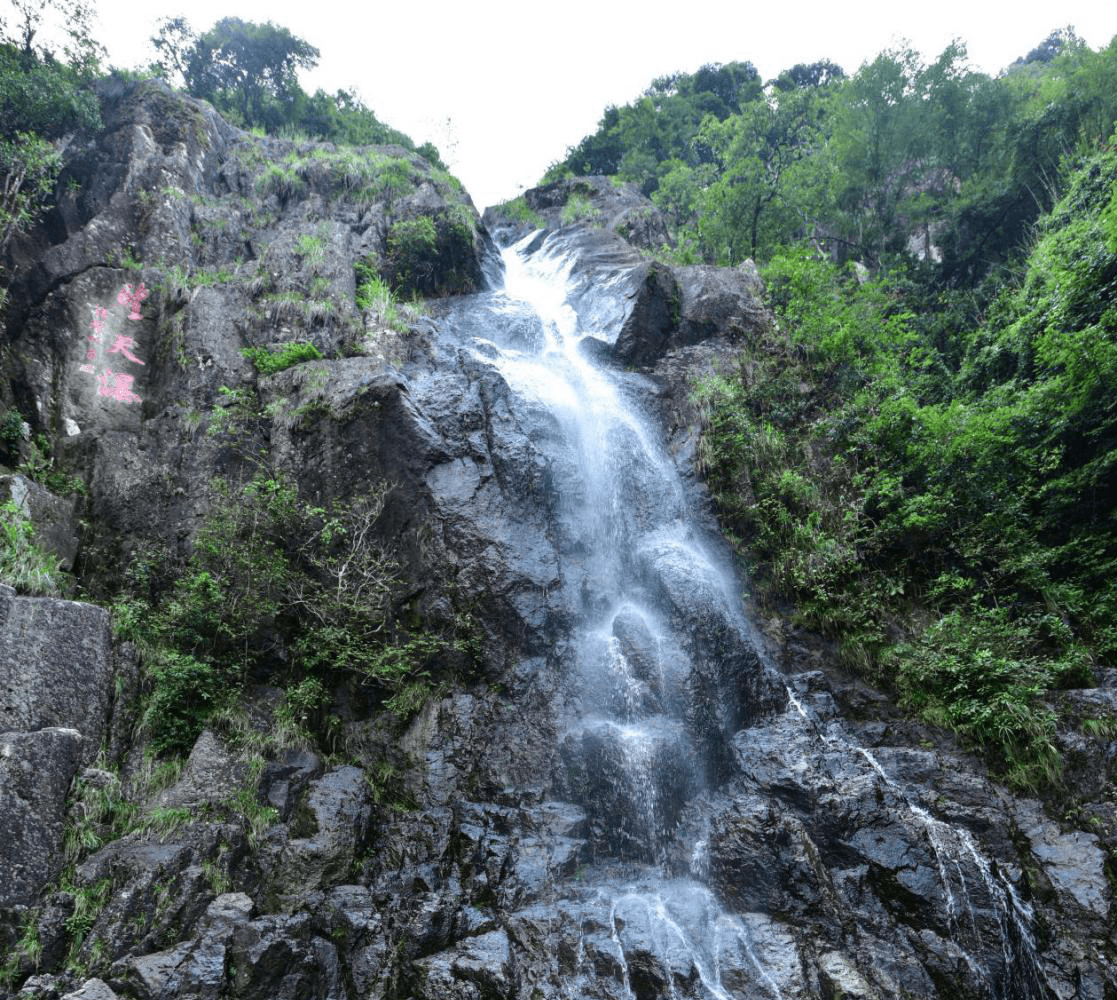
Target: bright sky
[[504, 87]]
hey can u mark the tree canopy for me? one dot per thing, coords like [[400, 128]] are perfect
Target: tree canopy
[[249, 68]]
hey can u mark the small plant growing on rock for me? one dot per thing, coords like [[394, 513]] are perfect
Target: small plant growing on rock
[[24, 956], [578, 208], [269, 362], [519, 211], [23, 564]]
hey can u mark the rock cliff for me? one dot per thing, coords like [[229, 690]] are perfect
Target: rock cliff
[[471, 846]]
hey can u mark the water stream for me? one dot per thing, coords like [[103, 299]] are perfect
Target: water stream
[[630, 732]]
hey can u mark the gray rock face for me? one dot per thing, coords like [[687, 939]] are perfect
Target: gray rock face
[[326, 833], [55, 666], [35, 774], [212, 774], [93, 989], [238, 242]]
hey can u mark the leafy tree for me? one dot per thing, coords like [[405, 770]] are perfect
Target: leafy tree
[[173, 42], [342, 117], [29, 166], [1052, 46], [679, 194], [941, 506], [598, 153], [42, 96], [75, 20], [761, 196], [816, 74], [249, 69], [41, 99], [641, 141]]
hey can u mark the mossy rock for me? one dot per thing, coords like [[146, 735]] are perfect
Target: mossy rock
[[433, 255]]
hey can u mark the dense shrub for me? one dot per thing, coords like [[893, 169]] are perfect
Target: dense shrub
[[24, 565], [431, 255], [941, 507], [277, 587]]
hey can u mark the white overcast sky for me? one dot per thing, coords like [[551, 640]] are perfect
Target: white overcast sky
[[504, 87]]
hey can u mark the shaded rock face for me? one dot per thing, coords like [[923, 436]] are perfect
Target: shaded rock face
[[238, 242], [627, 799], [56, 527]]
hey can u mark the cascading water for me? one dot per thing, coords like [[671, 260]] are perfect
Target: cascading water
[[662, 678], [955, 853], [639, 717]]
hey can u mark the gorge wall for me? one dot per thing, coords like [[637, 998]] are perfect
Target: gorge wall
[[473, 848]]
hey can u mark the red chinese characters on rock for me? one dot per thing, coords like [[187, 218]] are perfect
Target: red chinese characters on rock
[[114, 384], [132, 299]]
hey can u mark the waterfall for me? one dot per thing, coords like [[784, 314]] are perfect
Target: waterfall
[[955, 852], [637, 734], [665, 693]]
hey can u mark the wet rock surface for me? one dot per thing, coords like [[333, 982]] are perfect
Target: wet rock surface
[[595, 201]]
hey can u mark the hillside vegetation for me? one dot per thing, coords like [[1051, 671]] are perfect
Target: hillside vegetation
[[923, 458]]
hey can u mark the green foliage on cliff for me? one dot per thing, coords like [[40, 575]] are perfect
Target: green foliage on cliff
[[41, 99], [430, 255], [937, 494], [279, 587], [24, 564], [268, 362]]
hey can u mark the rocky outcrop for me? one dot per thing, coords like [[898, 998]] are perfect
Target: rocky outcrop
[[55, 520], [599, 202], [224, 242], [35, 774]]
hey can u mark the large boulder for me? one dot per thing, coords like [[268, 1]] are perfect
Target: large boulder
[[676, 307], [35, 774], [601, 202], [56, 525], [56, 666]]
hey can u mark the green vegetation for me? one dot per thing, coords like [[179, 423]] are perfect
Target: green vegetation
[[930, 493], [431, 255], [903, 149], [267, 361], [279, 179], [920, 458], [248, 71], [41, 99], [274, 583], [634, 142], [519, 210], [40, 465], [375, 296], [23, 564], [577, 209]]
